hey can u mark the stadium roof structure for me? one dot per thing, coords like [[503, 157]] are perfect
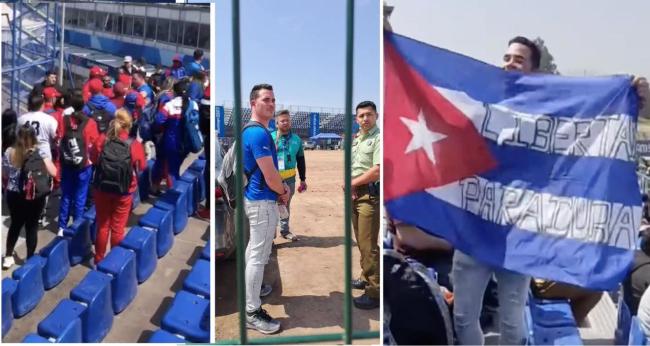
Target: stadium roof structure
[[326, 136]]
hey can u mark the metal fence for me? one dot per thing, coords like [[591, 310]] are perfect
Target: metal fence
[[348, 334]]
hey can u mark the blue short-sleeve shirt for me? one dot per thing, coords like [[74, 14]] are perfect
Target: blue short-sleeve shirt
[[257, 143]]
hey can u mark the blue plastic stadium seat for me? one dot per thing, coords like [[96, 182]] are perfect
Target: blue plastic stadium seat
[[35, 339], [120, 265], [144, 181], [198, 280], [161, 220], [198, 167], [57, 263], [624, 320], [64, 322], [185, 315], [143, 243], [136, 199], [95, 291], [205, 254], [176, 202], [163, 336], [8, 288], [79, 246], [552, 313], [91, 215], [637, 336], [191, 177], [29, 289], [188, 189]]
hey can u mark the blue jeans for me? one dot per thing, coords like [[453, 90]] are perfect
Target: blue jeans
[[470, 278], [284, 223], [74, 191]]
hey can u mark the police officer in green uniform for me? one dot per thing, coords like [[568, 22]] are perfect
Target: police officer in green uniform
[[365, 209], [290, 156]]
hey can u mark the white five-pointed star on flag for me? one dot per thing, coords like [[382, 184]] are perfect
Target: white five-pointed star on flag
[[423, 138]]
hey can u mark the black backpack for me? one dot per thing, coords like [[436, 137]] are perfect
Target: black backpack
[[114, 171], [101, 116], [73, 146], [226, 178], [34, 178]]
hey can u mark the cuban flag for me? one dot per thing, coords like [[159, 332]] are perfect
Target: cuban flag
[[533, 173]]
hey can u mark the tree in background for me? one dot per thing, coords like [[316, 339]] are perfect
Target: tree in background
[[547, 64]]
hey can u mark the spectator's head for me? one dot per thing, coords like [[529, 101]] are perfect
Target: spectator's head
[[201, 77], [50, 94], [107, 80], [180, 87], [262, 101], [168, 84], [77, 101], [9, 120], [50, 77], [138, 78], [96, 72], [177, 61], [35, 103], [121, 122], [119, 89], [198, 55], [283, 121], [9, 117], [25, 141], [128, 60], [522, 55], [366, 115], [131, 101], [645, 241], [95, 86]]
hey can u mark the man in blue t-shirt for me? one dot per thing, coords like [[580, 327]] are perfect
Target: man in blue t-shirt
[[264, 191]]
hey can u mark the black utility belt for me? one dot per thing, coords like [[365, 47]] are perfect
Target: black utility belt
[[372, 189]]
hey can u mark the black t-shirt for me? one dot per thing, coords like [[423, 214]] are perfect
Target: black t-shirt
[[637, 281]]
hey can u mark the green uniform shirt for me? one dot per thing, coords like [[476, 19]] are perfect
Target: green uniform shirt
[[289, 148], [365, 151]]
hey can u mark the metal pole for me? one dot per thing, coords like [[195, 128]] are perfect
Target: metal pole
[[13, 61], [347, 302], [20, 53], [61, 37], [239, 184]]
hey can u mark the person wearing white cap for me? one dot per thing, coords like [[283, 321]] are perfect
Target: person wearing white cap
[[127, 67]]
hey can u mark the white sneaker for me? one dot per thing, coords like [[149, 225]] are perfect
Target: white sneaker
[[8, 262]]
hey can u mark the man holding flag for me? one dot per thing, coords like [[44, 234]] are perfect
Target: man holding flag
[[515, 169]]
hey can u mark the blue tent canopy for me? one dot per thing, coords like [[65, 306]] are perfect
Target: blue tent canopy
[[326, 136]]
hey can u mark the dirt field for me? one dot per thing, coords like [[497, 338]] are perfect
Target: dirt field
[[307, 275]]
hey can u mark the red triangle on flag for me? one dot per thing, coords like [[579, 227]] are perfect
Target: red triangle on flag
[[428, 142]]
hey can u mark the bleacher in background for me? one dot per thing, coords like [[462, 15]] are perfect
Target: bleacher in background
[[300, 122]]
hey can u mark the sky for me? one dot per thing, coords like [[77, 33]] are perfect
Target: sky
[[299, 47], [593, 37]]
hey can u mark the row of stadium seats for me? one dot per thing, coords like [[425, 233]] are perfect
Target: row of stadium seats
[[88, 315], [551, 322], [188, 317]]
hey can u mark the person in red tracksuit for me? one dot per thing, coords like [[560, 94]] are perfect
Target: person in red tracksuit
[[113, 209], [119, 90], [75, 179], [96, 72]]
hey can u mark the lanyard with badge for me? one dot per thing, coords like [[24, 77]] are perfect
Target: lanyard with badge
[[278, 140]]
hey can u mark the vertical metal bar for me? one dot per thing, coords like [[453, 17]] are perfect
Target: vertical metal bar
[[61, 37], [347, 302], [20, 53], [13, 97], [239, 187]]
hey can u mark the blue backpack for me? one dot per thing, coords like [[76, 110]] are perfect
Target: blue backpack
[[145, 122], [192, 135]]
